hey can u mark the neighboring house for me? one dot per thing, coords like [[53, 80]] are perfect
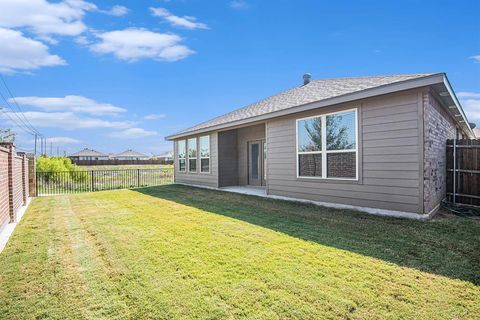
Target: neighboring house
[[129, 155], [367, 142], [166, 156], [476, 131], [88, 154]]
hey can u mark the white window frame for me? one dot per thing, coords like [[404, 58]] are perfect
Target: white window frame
[[324, 151], [188, 156], [209, 155], [185, 155]]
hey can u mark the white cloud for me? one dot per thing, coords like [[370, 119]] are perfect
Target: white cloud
[[238, 5], [133, 44], [70, 121], [20, 53], [82, 40], [133, 133], [78, 104], [154, 116], [117, 11], [62, 140], [45, 18], [476, 58], [471, 105], [467, 94], [177, 21]]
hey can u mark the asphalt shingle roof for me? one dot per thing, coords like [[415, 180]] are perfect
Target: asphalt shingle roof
[[130, 153], [88, 153], [316, 90]]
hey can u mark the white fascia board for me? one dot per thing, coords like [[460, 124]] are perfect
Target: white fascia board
[[459, 106]]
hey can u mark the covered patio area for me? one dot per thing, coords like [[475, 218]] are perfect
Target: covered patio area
[[242, 157]]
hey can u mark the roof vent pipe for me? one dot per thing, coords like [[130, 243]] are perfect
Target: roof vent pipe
[[306, 78]]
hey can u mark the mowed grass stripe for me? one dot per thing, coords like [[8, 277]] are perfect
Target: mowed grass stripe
[[176, 252]]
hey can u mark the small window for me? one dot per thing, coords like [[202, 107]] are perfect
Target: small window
[[309, 140], [192, 154], [181, 146], [327, 146], [204, 154], [341, 145]]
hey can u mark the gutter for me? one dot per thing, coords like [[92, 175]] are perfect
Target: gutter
[[459, 108]]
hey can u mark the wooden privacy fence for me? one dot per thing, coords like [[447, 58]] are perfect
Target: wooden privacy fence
[[463, 171], [53, 183]]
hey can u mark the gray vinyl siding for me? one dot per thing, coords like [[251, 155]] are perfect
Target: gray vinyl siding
[[389, 166], [197, 178], [227, 158], [245, 135]]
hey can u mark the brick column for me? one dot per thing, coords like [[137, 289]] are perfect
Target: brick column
[[32, 181], [24, 178]]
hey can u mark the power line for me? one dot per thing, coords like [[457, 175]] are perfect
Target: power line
[[23, 123], [16, 123], [16, 115], [29, 124]]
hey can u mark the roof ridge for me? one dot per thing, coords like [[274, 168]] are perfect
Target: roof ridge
[[380, 76], [315, 90]]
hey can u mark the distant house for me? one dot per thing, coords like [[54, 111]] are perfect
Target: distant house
[[376, 144], [166, 156], [88, 154], [477, 133], [129, 155]]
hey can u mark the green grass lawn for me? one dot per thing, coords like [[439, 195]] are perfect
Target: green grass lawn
[[175, 252]]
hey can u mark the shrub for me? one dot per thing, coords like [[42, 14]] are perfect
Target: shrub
[[55, 164], [57, 168]]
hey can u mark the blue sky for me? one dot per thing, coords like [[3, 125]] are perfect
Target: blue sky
[[113, 75]]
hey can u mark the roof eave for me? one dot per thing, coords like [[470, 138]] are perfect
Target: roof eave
[[363, 94], [464, 122]]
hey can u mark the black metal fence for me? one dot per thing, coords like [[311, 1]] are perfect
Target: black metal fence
[[51, 183], [116, 162]]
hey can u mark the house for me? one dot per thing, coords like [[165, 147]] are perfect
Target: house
[[129, 155], [376, 144], [166, 156], [88, 154]]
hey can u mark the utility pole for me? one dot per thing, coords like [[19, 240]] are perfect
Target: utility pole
[[35, 149], [51, 152], [58, 151]]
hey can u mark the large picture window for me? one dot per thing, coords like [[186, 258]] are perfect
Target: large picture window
[[327, 146], [192, 154], [182, 152], [204, 154]]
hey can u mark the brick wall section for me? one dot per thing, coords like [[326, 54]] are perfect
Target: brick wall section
[[4, 190], [14, 183], [438, 127], [31, 176], [17, 183]]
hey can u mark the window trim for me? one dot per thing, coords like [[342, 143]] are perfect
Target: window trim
[[324, 150], [188, 156], [209, 155], [178, 155]]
